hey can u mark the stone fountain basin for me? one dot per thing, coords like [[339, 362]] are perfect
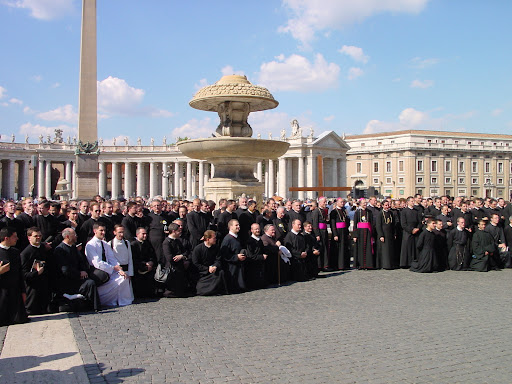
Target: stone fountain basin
[[233, 157]]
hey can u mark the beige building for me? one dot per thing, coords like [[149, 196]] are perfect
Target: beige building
[[432, 163]]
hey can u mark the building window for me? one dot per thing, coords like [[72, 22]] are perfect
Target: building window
[[461, 166], [419, 180], [376, 181], [500, 181], [487, 167], [462, 191], [419, 191], [510, 182], [456, 141], [434, 192], [379, 143], [401, 166], [500, 192], [500, 167], [359, 167], [429, 141], [488, 180], [448, 192], [462, 180], [419, 165], [433, 180], [433, 165], [388, 180], [401, 180], [363, 144], [448, 166], [447, 180], [474, 166], [442, 141], [358, 157], [474, 192], [392, 141], [376, 167], [469, 142], [388, 166], [474, 180]]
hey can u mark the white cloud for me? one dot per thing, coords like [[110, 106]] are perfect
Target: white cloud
[[422, 84], [297, 73], [3, 92], [15, 101], [497, 112], [117, 97], [310, 16], [37, 78], [329, 118], [120, 140], [418, 62], [195, 128], [411, 118], [202, 83], [64, 113], [354, 73], [266, 122], [34, 130], [44, 9], [355, 53], [28, 111], [228, 70], [4, 104], [56, 85]]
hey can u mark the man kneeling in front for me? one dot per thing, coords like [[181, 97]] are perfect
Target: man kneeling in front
[[116, 290]]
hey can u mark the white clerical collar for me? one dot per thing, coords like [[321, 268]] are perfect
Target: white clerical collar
[[309, 233], [206, 245], [36, 246], [115, 239], [255, 237], [293, 231], [4, 246], [459, 228], [233, 234]]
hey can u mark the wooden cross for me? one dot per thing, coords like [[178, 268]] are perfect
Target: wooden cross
[[320, 187]]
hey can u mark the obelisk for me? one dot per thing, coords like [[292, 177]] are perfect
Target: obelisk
[[87, 149]]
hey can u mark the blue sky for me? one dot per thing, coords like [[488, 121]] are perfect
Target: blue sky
[[348, 66]]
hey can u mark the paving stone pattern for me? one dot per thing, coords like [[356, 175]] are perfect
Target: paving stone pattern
[[353, 327]]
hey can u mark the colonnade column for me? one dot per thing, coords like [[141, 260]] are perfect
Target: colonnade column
[[40, 178], [281, 182], [212, 173], [24, 190], [102, 187], [152, 179], [271, 178], [201, 180], [165, 180], [48, 184], [259, 171], [115, 180], [140, 178], [176, 179], [188, 175], [9, 177], [128, 189], [335, 173], [68, 173], [300, 181]]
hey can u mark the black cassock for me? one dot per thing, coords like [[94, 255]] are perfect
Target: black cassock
[[69, 263], [296, 244], [340, 249], [499, 238], [12, 309], [459, 255], [385, 250], [36, 285], [312, 244], [197, 224], [364, 256], [234, 268], [484, 242], [409, 219], [143, 280], [426, 260], [255, 269], [209, 283], [177, 280], [273, 270], [319, 220], [157, 228], [441, 247]]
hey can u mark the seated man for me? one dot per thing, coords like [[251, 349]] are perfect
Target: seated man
[[255, 259], [73, 282], [117, 290], [33, 259], [206, 258], [144, 265], [485, 252], [276, 269], [12, 289]]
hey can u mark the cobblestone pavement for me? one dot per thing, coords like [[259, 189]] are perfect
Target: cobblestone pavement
[[354, 327]]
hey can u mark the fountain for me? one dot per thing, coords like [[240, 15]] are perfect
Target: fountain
[[232, 150]]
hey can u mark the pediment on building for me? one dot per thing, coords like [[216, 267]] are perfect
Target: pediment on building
[[329, 139]]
